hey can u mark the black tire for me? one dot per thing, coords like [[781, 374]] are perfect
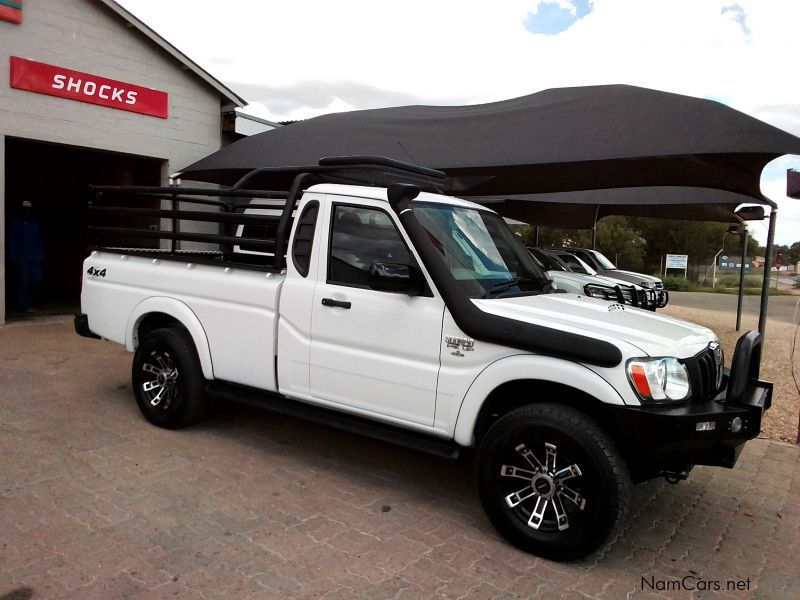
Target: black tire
[[541, 503], [168, 380]]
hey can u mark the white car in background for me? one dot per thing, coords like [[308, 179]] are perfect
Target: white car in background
[[573, 275], [600, 263]]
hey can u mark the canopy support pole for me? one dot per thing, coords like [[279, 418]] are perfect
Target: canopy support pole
[[594, 228], [762, 315], [743, 230]]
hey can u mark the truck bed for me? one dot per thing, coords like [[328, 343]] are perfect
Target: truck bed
[[236, 306]]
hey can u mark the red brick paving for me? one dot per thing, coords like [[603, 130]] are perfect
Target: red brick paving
[[96, 503]]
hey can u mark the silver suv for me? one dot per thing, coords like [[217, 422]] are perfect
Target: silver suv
[[598, 261]]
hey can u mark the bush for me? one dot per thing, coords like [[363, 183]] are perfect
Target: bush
[[732, 280], [677, 284]]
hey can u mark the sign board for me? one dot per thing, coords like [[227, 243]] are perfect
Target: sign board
[[732, 262], [11, 10], [677, 261], [83, 87]]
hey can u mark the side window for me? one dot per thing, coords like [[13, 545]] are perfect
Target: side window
[[361, 236], [304, 238]]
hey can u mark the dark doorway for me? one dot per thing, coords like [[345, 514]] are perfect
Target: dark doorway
[[55, 179]]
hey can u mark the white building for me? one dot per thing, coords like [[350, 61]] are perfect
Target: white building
[[90, 95]]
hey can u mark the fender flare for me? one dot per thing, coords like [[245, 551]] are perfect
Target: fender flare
[[181, 313], [540, 368]]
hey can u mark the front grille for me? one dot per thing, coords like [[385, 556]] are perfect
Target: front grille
[[704, 370], [645, 298]]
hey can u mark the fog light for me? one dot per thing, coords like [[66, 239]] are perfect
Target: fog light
[[736, 425], [705, 426]]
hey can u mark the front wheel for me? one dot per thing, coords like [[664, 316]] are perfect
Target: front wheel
[[552, 481], [168, 380]]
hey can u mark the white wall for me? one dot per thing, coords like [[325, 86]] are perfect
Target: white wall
[[86, 36]]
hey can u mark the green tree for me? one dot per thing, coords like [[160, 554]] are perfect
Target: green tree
[[700, 240], [639, 243], [793, 253], [621, 243], [615, 238]]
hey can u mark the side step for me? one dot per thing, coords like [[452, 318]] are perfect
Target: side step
[[350, 423]]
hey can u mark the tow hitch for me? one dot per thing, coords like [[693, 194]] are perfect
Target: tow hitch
[[675, 477]]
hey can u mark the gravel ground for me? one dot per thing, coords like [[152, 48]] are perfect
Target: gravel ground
[[781, 421]]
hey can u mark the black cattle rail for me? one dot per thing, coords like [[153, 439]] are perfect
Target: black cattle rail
[[133, 218]]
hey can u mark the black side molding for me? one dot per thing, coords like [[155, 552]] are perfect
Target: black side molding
[[487, 327], [361, 426], [82, 327]]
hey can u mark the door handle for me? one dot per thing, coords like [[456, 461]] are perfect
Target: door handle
[[336, 303]]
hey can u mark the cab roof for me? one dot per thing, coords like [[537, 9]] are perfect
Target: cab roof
[[380, 193]]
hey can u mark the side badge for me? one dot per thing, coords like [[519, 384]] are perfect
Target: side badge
[[459, 343]]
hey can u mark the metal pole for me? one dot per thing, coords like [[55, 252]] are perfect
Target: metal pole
[[741, 278], [537, 236], [762, 315], [594, 228]]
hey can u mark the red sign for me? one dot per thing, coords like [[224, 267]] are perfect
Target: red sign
[[83, 87], [11, 10]]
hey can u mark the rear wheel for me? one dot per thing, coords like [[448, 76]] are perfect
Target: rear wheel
[[552, 481], [168, 380]]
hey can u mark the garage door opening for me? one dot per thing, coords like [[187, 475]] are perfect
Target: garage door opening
[[49, 184]]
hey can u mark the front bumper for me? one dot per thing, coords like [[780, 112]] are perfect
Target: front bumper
[[662, 298], [656, 298], [672, 438]]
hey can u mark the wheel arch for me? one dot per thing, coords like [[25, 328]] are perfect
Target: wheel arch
[[157, 312], [499, 389]]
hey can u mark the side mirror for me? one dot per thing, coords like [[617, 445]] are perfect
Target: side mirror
[[396, 277]]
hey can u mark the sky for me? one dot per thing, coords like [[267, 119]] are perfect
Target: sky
[[302, 58]]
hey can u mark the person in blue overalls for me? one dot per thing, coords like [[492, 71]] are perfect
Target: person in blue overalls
[[26, 254]]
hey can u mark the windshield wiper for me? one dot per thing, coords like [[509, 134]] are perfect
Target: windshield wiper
[[501, 287]]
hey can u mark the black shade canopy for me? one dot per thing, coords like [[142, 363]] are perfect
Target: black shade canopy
[[566, 139], [580, 210]]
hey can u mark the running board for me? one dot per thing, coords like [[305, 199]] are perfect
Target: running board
[[350, 423]]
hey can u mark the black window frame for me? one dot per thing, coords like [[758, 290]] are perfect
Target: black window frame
[[304, 270], [415, 263]]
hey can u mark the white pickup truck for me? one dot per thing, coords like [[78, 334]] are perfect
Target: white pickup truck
[[421, 319]]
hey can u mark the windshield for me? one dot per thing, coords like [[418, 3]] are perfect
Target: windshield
[[575, 264], [603, 261], [484, 256], [550, 263]]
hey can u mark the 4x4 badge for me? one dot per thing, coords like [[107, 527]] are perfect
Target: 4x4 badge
[[459, 343]]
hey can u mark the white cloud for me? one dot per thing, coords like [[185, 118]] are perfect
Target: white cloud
[[469, 51]]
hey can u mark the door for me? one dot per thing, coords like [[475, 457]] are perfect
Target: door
[[371, 350]]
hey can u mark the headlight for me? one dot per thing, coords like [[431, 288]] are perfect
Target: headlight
[[648, 284], [597, 291], [659, 379]]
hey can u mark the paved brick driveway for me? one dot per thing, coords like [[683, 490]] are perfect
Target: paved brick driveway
[[96, 503]]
